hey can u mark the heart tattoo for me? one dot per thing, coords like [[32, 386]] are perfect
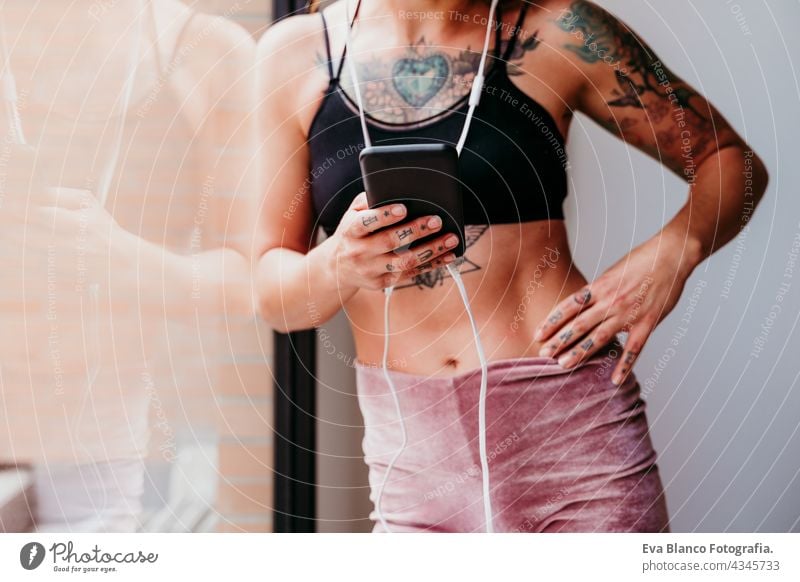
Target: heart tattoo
[[418, 80]]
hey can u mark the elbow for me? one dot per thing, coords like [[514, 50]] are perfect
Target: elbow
[[267, 299], [743, 164], [760, 175], [271, 310], [272, 315], [277, 302]]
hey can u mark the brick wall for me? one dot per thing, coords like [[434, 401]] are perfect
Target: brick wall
[[209, 380], [244, 380]]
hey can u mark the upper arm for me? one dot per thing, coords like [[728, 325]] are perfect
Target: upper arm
[[284, 66], [630, 92], [229, 194]]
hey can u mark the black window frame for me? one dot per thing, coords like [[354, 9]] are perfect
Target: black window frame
[[294, 372]]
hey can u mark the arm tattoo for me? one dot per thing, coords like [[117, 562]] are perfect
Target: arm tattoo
[[599, 37]]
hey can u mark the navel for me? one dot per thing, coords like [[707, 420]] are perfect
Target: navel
[[451, 362]]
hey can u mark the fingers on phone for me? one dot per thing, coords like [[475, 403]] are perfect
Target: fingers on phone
[[424, 258], [402, 235], [360, 202], [369, 220], [431, 265]]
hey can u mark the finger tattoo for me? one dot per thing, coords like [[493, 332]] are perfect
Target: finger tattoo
[[425, 255], [583, 297], [367, 220], [587, 345]]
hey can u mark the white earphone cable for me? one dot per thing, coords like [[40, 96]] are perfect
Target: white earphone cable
[[393, 389], [474, 100], [477, 82], [487, 501], [352, 67]]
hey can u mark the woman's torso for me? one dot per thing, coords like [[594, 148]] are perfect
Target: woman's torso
[[517, 268]]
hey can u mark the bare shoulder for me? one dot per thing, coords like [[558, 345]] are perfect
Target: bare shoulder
[[292, 69], [593, 40], [208, 39], [578, 30], [202, 57], [292, 46], [543, 63]]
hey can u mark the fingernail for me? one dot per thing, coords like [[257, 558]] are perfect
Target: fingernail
[[616, 380], [538, 335], [449, 258], [451, 241], [546, 351], [565, 361], [399, 210], [435, 222]]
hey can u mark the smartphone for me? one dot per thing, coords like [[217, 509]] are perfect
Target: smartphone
[[424, 177]]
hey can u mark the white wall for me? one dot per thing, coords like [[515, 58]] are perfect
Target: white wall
[[343, 503]]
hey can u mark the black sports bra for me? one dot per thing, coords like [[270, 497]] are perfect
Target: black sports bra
[[512, 167]]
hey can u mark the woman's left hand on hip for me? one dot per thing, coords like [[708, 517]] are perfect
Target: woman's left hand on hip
[[632, 296]]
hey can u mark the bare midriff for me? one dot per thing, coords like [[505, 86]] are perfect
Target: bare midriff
[[514, 274]]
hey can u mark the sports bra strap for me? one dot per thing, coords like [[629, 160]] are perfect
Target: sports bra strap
[[512, 39], [327, 44], [344, 51], [498, 33], [163, 67]]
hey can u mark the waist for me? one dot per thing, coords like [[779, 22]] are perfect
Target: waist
[[514, 276]]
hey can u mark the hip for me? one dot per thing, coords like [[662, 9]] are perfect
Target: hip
[[555, 437], [532, 403]]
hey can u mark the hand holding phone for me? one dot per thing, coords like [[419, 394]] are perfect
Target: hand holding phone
[[423, 177], [370, 248]]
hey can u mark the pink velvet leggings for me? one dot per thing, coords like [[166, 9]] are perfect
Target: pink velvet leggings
[[568, 451]]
